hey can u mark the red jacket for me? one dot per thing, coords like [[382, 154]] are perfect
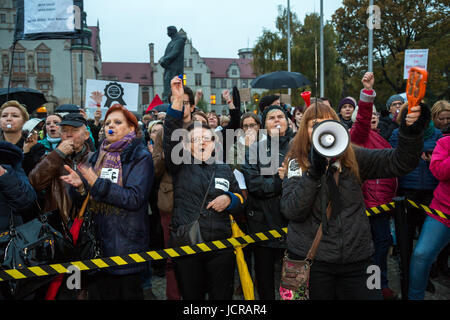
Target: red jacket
[[378, 191], [440, 167]]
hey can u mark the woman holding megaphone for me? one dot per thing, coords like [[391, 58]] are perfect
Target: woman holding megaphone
[[325, 191]]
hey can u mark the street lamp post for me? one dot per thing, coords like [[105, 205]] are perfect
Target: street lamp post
[[322, 72], [289, 38]]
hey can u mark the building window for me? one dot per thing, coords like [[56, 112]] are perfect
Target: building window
[[213, 99], [234, 72], [190, 63], [223, 83], [2, 18], [234, 83], [213, 83], [44, 87], [145, 96], [198, 79], [43, 62], [245, 83], [19, 62]]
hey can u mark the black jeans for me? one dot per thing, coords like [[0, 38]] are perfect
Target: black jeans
[[265, 260], [210, 272], [415, 216], [330, 281]]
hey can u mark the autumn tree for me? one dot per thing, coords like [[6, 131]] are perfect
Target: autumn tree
[[270, 53], [421, 24]]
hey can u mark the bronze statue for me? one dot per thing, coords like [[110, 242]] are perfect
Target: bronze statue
[[173, 59]]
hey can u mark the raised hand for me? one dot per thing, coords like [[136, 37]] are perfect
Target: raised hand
[[368, 81], [97, 96]]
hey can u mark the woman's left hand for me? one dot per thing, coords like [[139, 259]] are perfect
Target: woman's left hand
[[220, 203], [88, 173]]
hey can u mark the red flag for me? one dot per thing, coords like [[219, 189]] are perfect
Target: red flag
[[155, 102]]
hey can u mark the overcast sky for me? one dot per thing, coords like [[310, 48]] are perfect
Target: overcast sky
[[217, 28]]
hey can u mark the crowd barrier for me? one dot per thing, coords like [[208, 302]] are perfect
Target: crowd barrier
[[84, 265]]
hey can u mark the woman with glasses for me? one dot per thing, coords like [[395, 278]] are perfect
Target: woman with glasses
[[205, 192], [250, 125]]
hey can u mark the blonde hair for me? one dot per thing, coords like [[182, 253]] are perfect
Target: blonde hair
[[15, 104], [438, 107]]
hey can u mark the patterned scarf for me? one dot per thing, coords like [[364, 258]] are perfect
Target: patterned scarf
[[109, 155]]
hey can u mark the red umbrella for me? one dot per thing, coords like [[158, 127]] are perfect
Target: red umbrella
[[155, 102]]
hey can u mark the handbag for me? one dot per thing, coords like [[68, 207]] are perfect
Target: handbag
[[189, 234], [83, 232], [294, 284], [27, 245]]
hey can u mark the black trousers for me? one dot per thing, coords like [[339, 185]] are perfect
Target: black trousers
[[265, 260], [416, 217], [329, 281], [211, 273], [106, 286]]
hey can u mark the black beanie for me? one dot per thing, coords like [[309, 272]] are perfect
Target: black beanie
[[270, 108]]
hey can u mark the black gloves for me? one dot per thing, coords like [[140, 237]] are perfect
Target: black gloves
[[421, 124], [318, 164]]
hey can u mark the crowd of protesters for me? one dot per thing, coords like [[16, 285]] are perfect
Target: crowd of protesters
[[148, 181]]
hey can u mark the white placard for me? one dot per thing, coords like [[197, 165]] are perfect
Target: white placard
[[415, 58], [48, 16], [130, 95]]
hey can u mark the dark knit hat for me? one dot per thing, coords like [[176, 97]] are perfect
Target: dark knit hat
[[10, 154], [346, 100], [271, 108], [395, 97]]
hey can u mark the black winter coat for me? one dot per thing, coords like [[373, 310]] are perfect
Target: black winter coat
[[265, 189], [191, 182], [349, 237]]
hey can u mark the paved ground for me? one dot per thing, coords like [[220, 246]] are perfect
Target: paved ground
[[442, 284]]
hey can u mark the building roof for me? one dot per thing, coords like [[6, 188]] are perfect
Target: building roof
[[135, 72], [219, 67]]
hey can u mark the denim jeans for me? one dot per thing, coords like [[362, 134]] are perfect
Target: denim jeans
[[434, 236]]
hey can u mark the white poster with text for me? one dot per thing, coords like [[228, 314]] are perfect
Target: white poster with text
[[415, 58], [48, 16]]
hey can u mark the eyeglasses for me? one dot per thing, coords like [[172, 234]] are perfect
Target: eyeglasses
[[397, 104], [202, 139], [249, 126]]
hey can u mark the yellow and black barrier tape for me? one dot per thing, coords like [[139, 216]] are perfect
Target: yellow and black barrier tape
[[429, 210], [85, 265], [383, 208]]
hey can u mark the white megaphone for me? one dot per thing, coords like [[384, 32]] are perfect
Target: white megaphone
[[330, 138]]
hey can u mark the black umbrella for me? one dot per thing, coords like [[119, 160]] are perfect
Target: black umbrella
[[31, 98], [280, 80], [162, 107], [70, 108]]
